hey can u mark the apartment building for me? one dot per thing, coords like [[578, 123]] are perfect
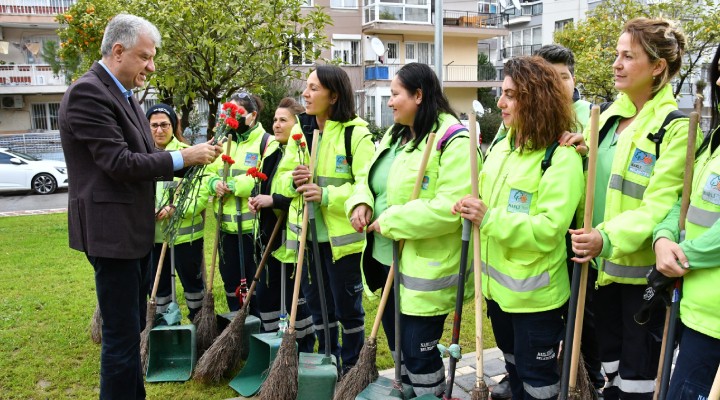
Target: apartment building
[[29, 92]]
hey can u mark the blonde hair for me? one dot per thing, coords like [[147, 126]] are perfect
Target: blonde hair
[[660, 39]]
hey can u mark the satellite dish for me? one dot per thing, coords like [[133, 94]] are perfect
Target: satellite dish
[[479, 110], [503, 4], [516, 4], [377, 46]]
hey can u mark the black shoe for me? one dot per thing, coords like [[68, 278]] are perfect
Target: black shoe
[[502, 390]]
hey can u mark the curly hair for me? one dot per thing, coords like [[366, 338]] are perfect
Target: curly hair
[[659, 38], [543, 109]]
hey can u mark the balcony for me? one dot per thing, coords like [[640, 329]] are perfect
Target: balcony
[[524, 50], [525, 13], [453, 75], [27, 78], [397, 18], [35, 7]]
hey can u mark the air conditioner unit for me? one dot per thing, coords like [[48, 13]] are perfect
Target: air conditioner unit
[[11, 101]]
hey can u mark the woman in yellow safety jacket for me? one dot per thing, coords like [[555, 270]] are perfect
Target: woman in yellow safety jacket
[[429, 261], [697, 260], [524, 210], [188, 244], [248, 151], [638, 179], [345, 147]]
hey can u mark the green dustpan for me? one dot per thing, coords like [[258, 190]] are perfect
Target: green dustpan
[[171, 353], [317, 376], [252, 326], [264, 347], [383, 388]]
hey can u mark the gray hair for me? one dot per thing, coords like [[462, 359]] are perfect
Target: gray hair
[[126, 29]]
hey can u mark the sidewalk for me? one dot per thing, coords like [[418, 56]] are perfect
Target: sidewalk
[[493, 371]]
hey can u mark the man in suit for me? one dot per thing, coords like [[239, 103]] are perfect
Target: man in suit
[[113, 167]]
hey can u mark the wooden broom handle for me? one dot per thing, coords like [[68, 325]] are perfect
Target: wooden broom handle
[[415, 194], [303, 235], [587, 228], [159, 270], [221, 203], [477, 268]]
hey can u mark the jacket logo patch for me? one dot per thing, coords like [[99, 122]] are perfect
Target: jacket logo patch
[[251, 159], [341, 165], [425, 182], [519, 201], [711, 192], [642, 163]]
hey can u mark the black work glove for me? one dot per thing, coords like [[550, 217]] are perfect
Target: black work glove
[[657, 294]]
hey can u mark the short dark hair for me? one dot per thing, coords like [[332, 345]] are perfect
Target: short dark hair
[[556, 54], [714, 89], [250, 102], [337, 81], [416, 77]]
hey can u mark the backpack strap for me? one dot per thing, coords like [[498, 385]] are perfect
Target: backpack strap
[[547, 161], [264, 143], [449, 133], [657, 138], [348, 145]]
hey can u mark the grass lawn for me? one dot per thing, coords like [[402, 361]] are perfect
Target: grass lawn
[[47, 302]]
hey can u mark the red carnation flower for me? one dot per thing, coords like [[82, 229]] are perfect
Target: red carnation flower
[[223, 116], [241, 110], [262, 176], [297, 136], [227, 159], [302, 145], [232, 122], [253, 171]]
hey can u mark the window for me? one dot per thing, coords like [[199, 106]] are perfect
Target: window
[[393, 51], [560, 25], [386, 117], [343, 3], [487, 6], [347, 51], [45, 116], [5, 158], [299, 52]]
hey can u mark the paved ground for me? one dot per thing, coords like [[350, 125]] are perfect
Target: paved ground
[[24, 203], [493, 371]]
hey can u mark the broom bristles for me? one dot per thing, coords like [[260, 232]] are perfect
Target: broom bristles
[[206, 324], [224, 354], [96, 326], [362, 374], [480, 392], [282, 380], [145, 334]]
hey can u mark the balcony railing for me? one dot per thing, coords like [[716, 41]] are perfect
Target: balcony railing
[[453, 73], [473, 20], [35, 7], [524, 50], [28, 75]]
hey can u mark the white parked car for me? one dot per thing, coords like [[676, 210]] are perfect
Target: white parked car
[[19, 171]]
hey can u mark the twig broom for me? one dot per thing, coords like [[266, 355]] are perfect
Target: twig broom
[[224, 354], [150, 313], [282, 380]]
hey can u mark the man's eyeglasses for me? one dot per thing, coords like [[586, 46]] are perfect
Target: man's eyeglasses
[[163, 126]]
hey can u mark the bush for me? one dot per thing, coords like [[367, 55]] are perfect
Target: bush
[[489, 125]]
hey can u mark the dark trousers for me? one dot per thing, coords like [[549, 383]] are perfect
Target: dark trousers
[[421, 365], [268, 301], [529, 342], [343, 294], [188, 265], [121, 287], [629, 351], [696, 366], [230, 267]]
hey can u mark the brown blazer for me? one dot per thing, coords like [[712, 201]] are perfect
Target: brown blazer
[[112, 168]]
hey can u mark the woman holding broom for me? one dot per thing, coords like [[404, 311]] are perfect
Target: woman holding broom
[[639, 178], [237, 266], [188, 245], [345, 147], [697, 260], [431, 255], [268, 203], [524, 210]]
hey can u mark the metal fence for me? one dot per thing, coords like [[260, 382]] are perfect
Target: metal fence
[[34, 7], [42, 145]]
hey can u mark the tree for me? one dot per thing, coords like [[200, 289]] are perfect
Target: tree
[[594, 39], [210, 49]]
